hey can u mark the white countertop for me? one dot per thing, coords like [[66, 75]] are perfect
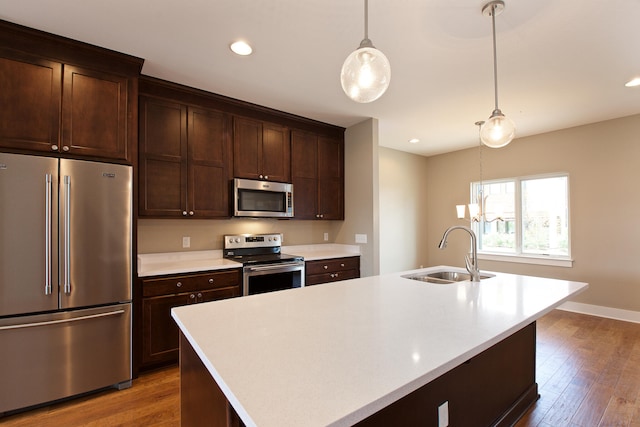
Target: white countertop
[[182, 262], [194, 261], [333, 354]]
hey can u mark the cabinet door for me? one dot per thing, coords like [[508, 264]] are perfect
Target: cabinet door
[[304, 174], [208, 148], [276, 153], [163, 158], [94, 113], [261, 150], [330, 178], [159, 330], [247, 147], [30, 93]]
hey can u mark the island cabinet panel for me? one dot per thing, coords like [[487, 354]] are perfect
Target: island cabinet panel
[[184, 160], [161, 294], [63, 108], [261, 150], [201, 400], [494, 388], [317, 167], [331, 270]]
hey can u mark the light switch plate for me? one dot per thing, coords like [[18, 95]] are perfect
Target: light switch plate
[[361, 238], [186, 242]]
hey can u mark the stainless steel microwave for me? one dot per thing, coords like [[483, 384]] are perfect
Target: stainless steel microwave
[[263, 199]]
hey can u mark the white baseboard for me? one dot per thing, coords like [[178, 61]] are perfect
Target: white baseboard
[[601, 311]]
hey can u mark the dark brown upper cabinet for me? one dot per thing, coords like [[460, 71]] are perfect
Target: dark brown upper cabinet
[[184, 161], [261, 150], [317, 164], [63, 96]]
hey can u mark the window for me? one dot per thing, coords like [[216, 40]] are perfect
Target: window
[[526, 217]]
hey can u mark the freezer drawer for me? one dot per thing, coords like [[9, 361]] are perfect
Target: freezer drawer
[[49, 357]]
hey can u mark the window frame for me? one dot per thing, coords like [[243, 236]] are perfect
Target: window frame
[[518, 256]]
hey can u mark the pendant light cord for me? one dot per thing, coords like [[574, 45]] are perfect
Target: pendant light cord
[[366, 19], [495, 56]]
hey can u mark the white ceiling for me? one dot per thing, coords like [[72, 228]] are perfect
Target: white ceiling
[[561, 63]]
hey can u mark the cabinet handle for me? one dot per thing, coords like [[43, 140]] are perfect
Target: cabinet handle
[[211, 281], [325, 267], [192, 298], [179, 284], [266, 177], [321, 215], [199, 296], [191, 213], [261, 177], [54, 148], [342, 264], [65, 148], [184, 213]]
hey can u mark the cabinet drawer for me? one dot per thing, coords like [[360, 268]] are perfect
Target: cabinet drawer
[[188, 283], [332, 265], [316, 279]]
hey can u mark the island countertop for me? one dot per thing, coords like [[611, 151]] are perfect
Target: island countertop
[[333, 354]]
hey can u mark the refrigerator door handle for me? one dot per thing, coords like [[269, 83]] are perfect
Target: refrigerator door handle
[[47, 235], [54, 322], [67, 234]]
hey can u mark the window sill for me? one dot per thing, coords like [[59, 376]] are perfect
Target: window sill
[[527, 259]]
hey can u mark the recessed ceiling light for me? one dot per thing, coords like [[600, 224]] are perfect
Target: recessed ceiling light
[[633, 82], [241, 48], [414, 140]]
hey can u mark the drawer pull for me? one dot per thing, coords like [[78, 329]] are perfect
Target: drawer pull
[[342, 264], [179, 284], [211, 281], [326, 267]]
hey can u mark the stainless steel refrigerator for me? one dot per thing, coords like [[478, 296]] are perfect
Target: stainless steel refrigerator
[[65, 278]]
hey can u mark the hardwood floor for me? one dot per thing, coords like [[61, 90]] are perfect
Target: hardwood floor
[[153, 400], [588, 371]]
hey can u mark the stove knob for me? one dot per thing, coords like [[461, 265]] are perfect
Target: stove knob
[[237, 240]]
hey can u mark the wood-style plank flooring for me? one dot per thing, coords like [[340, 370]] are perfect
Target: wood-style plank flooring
[[153, 400], [588, 371]]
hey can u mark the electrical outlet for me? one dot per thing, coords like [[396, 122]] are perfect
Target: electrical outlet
[[186, 242], [443, 415], [326, 237], [361, 238]]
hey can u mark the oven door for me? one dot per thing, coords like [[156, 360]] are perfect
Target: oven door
[[258, 279]]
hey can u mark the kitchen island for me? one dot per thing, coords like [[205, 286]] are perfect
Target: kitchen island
[[367, 351]]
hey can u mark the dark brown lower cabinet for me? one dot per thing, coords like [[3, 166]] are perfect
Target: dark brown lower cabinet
[[331, 270], [160, 294], [494, 388]]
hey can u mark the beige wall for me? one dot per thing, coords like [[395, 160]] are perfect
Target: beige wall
[[603, 162], [361, 193], [403, 210]]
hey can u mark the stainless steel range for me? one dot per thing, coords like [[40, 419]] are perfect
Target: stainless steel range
[[265, 268]]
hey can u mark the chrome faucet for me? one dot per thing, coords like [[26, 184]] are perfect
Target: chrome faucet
[[471, 264]]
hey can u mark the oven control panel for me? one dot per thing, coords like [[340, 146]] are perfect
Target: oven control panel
[[241, 241]]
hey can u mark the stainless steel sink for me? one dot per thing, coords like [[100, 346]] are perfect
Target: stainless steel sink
[[444, 277]]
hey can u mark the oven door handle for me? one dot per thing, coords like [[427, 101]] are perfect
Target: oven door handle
[[276, 266]]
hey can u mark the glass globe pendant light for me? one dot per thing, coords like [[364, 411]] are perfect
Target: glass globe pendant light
[[499, 130], [366, 73]]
